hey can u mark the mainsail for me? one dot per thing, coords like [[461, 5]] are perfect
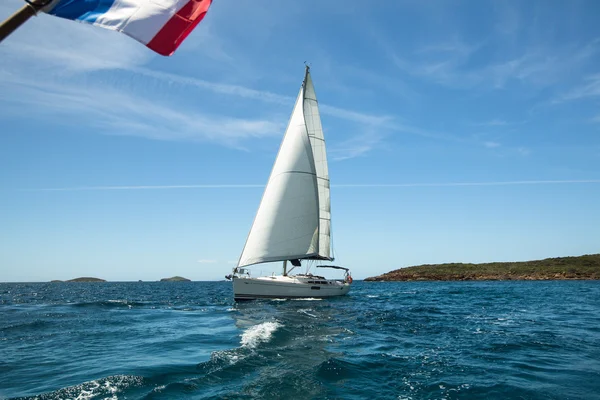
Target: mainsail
[[293, 219]]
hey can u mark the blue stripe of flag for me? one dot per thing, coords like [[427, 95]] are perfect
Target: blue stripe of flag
[[82, 10]]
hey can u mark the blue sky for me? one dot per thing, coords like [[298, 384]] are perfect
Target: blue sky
[[456, 131]]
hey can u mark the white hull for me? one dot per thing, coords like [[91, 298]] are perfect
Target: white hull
[[246, 288]]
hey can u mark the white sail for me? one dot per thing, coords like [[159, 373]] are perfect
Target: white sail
[[286, 225], [317, 141], [294, 217]]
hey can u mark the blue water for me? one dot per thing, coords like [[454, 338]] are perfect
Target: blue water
[[404, 340]]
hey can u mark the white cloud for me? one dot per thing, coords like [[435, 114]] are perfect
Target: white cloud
[[207, 261]]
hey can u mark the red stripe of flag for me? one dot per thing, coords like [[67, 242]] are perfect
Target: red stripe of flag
[[170, 36]]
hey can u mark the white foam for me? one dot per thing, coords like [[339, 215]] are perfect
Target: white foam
[[257, 334], [307, 299], [88, 394], [306, 312], [106, 387], [229, 356]]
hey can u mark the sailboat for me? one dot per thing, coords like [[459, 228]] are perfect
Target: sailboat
[[293, 221]]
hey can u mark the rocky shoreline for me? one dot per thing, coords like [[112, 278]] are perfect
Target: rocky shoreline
[[561, 268]]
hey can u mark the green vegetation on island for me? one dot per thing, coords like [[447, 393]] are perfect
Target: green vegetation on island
[[175, 279], [86, 279], [560, 268]]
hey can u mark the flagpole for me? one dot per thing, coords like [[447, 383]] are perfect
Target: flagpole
[[20, 17]]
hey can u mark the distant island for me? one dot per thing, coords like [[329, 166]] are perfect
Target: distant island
[[560, 268], [175, 279], [84, 279]]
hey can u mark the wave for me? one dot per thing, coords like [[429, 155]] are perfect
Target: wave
[[106, 388], [111, 304], [257, 334]]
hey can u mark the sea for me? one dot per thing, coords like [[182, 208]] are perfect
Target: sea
[[384, 340]]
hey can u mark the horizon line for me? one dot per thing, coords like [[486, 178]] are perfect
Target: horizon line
[[342, 185]]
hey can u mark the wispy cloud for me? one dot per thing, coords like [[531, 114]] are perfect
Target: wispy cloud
[[261, 95], [69, 77], [367, 119], [591, 88], [454, 65], [219, 88], [345, 185], [207, 261], [82, 49], [82, 66], [452, 184], [66, 91], [117, 112], [147, 187], [357, 145], [456, 72]]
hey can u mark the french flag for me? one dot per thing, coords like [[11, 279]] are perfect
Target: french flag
[[159, 24]]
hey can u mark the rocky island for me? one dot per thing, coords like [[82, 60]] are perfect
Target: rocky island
[[175, 279], [86, 279], [560, 268]]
